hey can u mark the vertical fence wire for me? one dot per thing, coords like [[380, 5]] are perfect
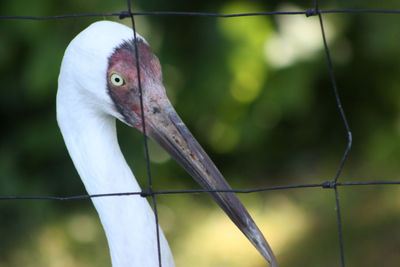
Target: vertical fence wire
[[146, 147], [346, 125]]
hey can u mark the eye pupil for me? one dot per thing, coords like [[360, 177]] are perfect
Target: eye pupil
[[117, 80]]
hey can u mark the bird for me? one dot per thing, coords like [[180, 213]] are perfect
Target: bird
[[98, 85]]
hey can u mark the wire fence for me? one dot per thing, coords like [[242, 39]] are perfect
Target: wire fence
[[149, 192]]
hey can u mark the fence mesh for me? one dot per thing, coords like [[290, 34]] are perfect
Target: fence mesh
[[149, 192]]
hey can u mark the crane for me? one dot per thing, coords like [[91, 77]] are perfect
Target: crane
[[98, 83]]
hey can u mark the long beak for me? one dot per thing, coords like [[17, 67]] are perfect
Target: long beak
[[167, 129]]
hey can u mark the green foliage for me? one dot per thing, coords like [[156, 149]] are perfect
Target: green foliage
[[256, 93]]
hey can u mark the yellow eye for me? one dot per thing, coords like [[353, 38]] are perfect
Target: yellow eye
[[117, 80]]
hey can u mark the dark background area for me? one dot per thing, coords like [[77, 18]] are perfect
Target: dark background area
[[256, 93]]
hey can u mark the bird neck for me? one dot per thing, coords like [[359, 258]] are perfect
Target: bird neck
[[128, 221]]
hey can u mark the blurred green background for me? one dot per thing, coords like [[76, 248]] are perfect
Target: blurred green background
[[255, 91]]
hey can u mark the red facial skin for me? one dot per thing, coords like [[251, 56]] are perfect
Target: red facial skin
[[126, 96]]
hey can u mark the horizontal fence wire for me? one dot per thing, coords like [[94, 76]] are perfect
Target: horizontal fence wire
[[149, 192], [126, 14], [145, 193]]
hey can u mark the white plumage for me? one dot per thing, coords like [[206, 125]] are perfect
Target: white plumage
[[88, 103], [83, 114]]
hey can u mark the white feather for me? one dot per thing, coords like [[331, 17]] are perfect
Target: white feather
[[86, 116]]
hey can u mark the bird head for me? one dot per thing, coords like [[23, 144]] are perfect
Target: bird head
[[112, 63], [124, 67]]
